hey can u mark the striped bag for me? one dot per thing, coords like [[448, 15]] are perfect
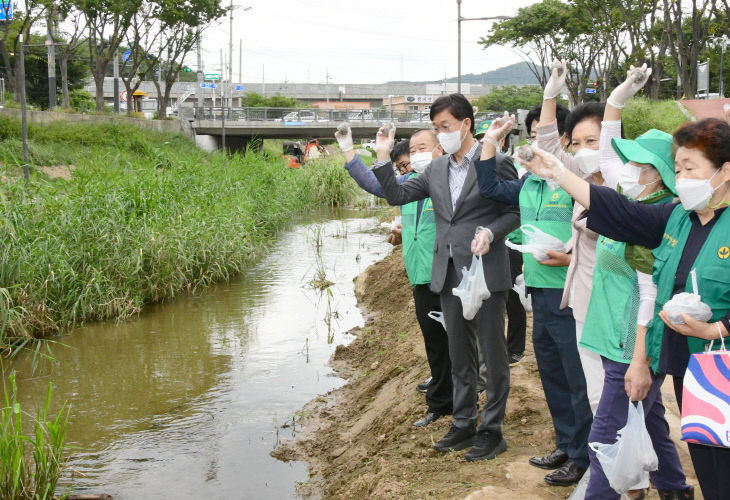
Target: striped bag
[[706, 398]]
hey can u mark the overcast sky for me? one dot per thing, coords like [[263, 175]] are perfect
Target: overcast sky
[[356, 41]]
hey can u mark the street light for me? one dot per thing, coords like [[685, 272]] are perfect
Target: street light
[[459, 19], [230, 51]]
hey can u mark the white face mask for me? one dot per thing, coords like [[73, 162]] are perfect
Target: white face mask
[[419, 161], [695, 194], [451, 141], [587, 160], [629, 180]]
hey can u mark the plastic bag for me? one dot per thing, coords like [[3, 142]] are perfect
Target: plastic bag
[[438, 316], [689, 303], [537, 242], [391, 225], [519, 287], [627, 462], [579, 493], [472, 289]]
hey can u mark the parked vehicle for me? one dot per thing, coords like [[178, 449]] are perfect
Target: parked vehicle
[[360, 115], [299, 116]]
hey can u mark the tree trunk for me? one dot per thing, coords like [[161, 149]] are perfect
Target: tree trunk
[[99, 91]]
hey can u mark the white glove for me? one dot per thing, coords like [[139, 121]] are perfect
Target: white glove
[[541, 163], [385, 138], [636, 78], [498, 129], [344, 137], [558, 72], [480, 243]]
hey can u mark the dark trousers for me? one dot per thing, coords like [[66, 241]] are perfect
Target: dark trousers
[[486, 329], [516, 315], [711, 463], [611, 416], [561, 373], [439, 395]]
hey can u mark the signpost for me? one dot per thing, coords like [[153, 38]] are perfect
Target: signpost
[[590, 91], [239, 87], [6, 10], [207, 85], [212, 76], [125, 56], [123, 96]]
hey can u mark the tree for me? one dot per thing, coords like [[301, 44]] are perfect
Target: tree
[[107, 22], [510, 98], [255, 100], [23, 20], [72, 34], [140, 39]]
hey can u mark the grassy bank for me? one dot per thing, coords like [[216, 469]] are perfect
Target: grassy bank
[[143, 217], [643, 114]]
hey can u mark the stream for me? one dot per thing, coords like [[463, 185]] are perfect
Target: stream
[[189, 399]]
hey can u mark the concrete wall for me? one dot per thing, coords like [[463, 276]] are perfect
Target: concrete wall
[[172, 126]]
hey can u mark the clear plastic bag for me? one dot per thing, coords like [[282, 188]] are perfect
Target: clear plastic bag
[[472, 289], [627, 462], [537, 242], [689, 303], [519, 287]]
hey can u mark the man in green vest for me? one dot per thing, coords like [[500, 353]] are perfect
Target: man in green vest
[[418, 234]]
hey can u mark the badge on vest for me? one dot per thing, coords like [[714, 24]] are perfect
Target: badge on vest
[[723, 253]]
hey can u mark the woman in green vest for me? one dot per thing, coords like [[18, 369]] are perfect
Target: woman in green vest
[[622, 298], [691, 236]]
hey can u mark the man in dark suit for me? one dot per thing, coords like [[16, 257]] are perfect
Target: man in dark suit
[[450, 181]]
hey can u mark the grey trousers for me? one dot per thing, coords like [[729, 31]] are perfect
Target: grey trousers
[[487, 331]]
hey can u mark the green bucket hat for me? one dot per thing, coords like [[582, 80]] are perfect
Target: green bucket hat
[[654, 148], [482, 128]]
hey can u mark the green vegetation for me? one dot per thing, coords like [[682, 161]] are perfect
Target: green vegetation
[[511, 98], [255, 100], [643, 114], [30, 466], [144, 217]]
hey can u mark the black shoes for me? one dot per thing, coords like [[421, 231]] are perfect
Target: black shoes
[[487, 445], [515, 358], [423, 386], [569, 473], [430, 418], [552, 461], [688, 494], [456, 439]]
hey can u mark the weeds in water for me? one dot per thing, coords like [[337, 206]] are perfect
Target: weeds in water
[[305, 349], [144, 217], [21, 478], [319, 281]]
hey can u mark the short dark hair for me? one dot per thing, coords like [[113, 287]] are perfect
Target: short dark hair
[[711, 136], [457, 105], [587, 111], [561, 113], [401, 148]]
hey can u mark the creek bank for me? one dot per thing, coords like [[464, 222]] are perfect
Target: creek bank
[[359, 442]]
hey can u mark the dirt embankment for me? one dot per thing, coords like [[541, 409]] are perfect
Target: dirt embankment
[[359, 441]]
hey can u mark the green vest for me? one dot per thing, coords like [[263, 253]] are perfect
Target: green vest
[[418, 240], [551, 212], [713, 275], [610, 326]]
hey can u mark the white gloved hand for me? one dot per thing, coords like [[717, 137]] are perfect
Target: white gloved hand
[[344, 137], [636, 78], [498, 129], [541, 163], [558, 73], [385, 138], [480, 243]]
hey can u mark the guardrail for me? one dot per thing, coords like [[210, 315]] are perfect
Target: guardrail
[[299, 115]]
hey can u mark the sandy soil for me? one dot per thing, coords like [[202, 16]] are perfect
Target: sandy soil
[[359, 442]]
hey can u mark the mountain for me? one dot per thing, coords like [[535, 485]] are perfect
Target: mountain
[[514, 74]]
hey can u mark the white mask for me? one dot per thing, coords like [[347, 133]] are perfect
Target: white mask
[[587, 160], [451, 141], [419, 161], [629, 180], [695, 194]]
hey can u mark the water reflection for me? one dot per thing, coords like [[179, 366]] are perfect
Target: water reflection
[[188, 400]]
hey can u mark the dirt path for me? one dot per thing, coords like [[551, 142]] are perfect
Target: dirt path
[[359, 441]]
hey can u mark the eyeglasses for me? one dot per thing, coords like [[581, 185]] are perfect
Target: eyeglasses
[[403, 165]]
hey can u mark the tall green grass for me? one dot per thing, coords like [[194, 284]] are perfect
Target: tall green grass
[[642, 114], [144, 217]]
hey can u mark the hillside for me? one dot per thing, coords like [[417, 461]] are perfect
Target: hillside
[[514, 74]]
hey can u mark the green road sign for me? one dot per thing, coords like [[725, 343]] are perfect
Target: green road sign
[[212, 76]]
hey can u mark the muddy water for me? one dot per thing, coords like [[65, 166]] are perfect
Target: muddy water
[[188, 400]]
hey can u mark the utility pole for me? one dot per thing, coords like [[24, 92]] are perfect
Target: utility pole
[[327, 87], [23, 107], [240, 60], [230, 58], [263, 80], [116, 81], [51, 59], [199, 90], [724, 42]]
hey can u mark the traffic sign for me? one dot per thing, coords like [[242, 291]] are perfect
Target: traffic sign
[[123, 96], [590, 91], [212, 76], [239, 87], [126, 56], [207, 85], [6, 10]]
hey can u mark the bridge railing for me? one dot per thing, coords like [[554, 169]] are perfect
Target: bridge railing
[[304, 115]]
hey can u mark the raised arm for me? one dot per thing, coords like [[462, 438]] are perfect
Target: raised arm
[[364, 177], [490, 186], [396, 194]]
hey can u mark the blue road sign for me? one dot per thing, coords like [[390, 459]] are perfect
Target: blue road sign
[[6, 10], [239, 87], [207, 85], [590, 91], [126, 56]]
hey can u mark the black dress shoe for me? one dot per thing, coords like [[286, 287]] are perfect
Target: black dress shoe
[[515, 358], [456, 439], [552, 461], [569, 473], [423, 386], [688, 494], [430, 418], [487, 445]]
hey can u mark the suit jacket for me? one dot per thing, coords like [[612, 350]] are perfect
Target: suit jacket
[[455, 228]]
